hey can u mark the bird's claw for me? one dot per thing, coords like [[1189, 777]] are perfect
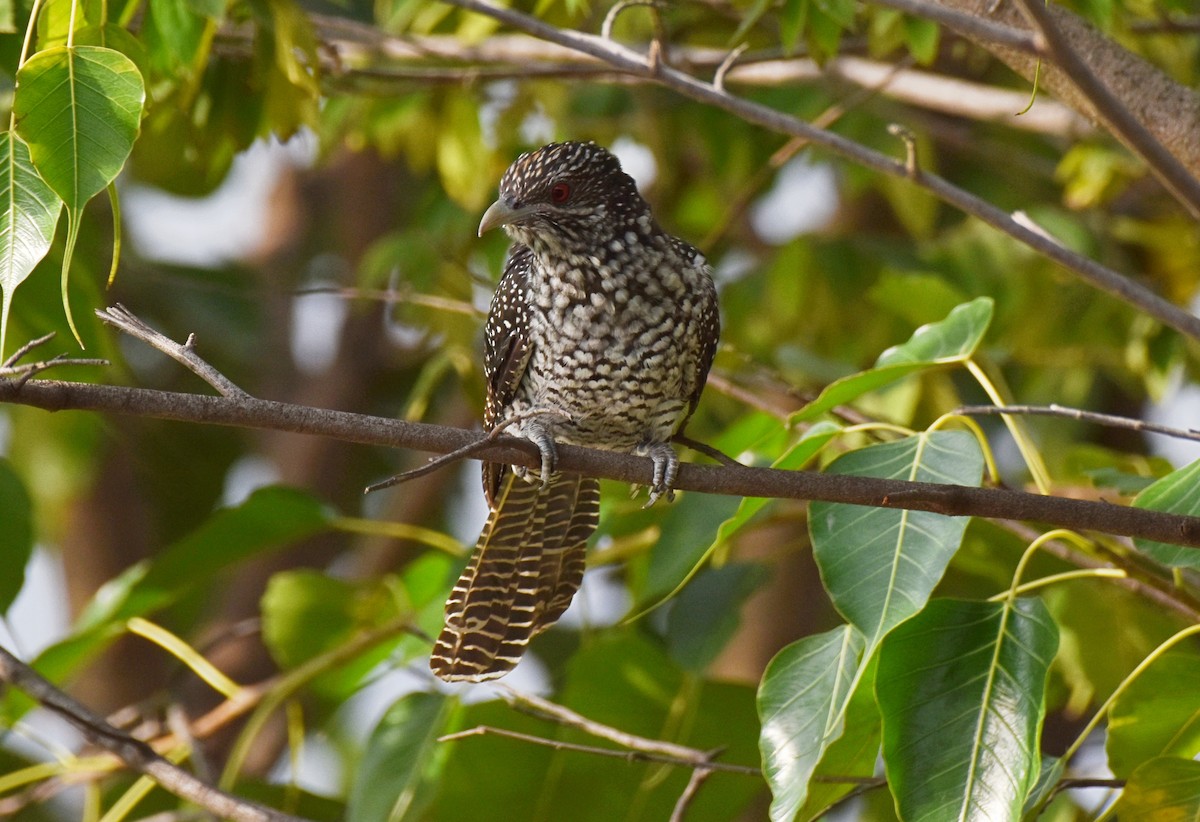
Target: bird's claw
[[540, 436], [666, 467]]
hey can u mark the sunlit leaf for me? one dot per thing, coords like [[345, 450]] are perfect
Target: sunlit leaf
[[947, 342], [78, 108], [880, 565], [1157, 715], [29, 212], [801, 704], [961, 687], [1162, 789]]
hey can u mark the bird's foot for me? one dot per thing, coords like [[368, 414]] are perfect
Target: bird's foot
[[666, 466], [539, 435]]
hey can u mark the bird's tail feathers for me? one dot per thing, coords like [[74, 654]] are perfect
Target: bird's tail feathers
[[527, 566]]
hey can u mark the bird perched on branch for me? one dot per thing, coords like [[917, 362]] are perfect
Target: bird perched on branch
[[601, 333]]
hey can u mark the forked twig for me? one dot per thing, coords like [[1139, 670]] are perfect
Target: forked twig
[[124, 320]]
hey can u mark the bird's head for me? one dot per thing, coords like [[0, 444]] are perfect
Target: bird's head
[[564, 194]]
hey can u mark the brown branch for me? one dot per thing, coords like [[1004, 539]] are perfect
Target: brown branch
[[626, 59], [950, 500], [133, 752], [699, 775], [1169, 170]]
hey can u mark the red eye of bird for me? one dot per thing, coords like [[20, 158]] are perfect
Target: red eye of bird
[[560, 193]]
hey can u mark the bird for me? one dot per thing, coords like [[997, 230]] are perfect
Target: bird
[[600, 333]]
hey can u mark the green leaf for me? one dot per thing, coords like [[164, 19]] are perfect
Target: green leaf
[[961, 687], [399, 769], [29, 216], [268, 519], [948, 342], [792, 19], [1157, 715], [951, 340], [880, 565], [855, 753], [922, 38], [801, 704], [78, 108], [687, 532], [1176, 493], [306, 612], [707, 612], [814, 439], [16, 534], [1162, 789]]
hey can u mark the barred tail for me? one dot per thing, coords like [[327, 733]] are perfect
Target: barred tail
[[526, 568]]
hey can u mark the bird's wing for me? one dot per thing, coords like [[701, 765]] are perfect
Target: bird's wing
[[506, 350]]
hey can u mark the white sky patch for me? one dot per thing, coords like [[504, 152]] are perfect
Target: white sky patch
[[222, 227], [246, 476], [637, 161], [317, 321], [804, 199]]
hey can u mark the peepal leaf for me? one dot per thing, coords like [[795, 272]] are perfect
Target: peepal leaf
[[1176, 493], [801, 704], [29, 212], [952, 340], [79, 109], [1163, 789], [961, 687], [398, 775], [880, 565]]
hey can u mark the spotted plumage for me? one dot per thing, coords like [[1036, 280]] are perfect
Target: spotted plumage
[[601, 333]]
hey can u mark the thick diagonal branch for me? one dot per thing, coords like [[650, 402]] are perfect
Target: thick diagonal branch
[[133, 752]]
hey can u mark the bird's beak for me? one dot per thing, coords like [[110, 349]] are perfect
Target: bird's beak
[[501, 213]]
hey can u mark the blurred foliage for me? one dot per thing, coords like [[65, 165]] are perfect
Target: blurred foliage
[[844, 346]]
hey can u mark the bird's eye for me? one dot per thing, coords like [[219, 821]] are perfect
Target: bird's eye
[[560, 193]]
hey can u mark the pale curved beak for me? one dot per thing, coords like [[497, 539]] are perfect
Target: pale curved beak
[[501, 213]]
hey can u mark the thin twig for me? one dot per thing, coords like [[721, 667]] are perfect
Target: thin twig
[[689, 793], [1108, 420], [1165, 165], [705, 449], [628, 755], [133, 752], [615, 12], [626, 59], [26, 372], [951, 500], [25, 349], [124, 320], [545, 709]]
